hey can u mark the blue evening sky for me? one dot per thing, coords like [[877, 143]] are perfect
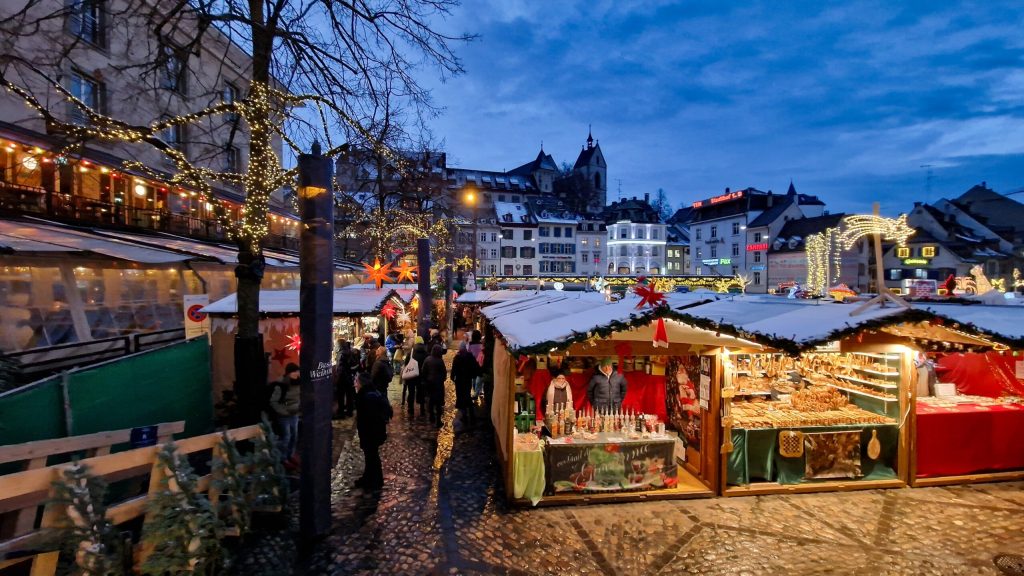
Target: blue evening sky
[[848, 99]]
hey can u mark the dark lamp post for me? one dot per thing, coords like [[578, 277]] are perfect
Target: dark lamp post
[[472, 199]]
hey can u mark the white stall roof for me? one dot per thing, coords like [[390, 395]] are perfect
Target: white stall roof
[[346, 302], [1005, 321], [493, 296], [33, 236], [405, 291]]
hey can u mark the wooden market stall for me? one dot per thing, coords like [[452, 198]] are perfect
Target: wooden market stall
[[658, 443], [357, 310], [831, 406]]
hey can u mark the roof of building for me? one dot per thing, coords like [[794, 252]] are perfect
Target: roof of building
[[631, 209], [800, 229], [995, 210], [771, 214], [681, 216], [677, 234], [512, 212], [541, 162]]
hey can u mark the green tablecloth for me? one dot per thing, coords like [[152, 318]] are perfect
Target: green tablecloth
[[755, 455], [528, 475]]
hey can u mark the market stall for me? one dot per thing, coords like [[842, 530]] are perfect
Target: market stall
[[555, 352], [356, 311]]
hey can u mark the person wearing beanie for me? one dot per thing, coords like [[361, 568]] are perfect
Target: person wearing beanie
[[284, 401], [435, 373], [607, 388], [373, 411]]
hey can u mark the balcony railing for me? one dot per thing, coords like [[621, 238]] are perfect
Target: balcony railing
[[21, 199]]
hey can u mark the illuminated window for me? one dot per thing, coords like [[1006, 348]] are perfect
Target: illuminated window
[[928, 251], [903, 252]]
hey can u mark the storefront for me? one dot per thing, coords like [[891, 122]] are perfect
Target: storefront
[[556, 357], [358, 309]]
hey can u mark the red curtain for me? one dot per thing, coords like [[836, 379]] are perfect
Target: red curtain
[[990, 374], [644, 393]]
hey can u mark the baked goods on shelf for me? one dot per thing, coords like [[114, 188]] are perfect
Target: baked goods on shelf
[[814, 406]]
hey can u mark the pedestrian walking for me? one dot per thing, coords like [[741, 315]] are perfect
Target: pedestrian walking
[[345, 391], [434, 375], [476, 348], [417, 391], [284, 401], [464, 372], [435, 339], [372, 415], [381, 373]]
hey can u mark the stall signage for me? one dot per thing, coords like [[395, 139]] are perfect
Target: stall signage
[[719, 199], [611, 466], [197, 322], [758, 246], [705, 382], [916, 261]]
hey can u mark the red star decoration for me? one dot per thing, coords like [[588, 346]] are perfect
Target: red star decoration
[[280, 355], [648, 296], [378, 273], [389, 310], [405, 272], [294, 342]]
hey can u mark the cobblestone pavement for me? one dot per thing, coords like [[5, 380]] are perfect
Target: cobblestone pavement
[[442, 512]]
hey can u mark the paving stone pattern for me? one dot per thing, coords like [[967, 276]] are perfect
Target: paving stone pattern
[[443, 511]]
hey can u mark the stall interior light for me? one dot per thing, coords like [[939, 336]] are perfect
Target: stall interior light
[[140, 189], [83, 169]]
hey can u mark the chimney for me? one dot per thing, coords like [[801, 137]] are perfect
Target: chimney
[[726, 189], [647, 197], [917, 204], [771, 197]]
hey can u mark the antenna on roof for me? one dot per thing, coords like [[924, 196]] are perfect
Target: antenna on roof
[[619, 180], [927, 183]]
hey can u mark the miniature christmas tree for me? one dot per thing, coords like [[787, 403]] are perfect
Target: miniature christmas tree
[[268, 490], [182, 531], [89, 535], [234, 510]]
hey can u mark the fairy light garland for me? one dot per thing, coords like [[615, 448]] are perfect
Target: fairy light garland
[[824, 249]]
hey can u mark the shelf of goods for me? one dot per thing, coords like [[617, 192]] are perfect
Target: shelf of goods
[[832, 429]]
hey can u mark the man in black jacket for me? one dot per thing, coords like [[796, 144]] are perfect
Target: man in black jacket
[[464, 371], [434, 375], [381, 373], [373, 411], [345, 385], [607, 388]]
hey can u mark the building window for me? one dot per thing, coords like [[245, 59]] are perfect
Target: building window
[[655, 234], [583, 241], [757, 257], [597, 257], [903, 252], [622, 250], [494, 252], [86, 20], [585, 257], [508, 269], [174, 136], [714, 232], [757, 237], [623, 232], [597, 242], [735, 249], [735, 228], [494, 236], [232, 159], [928, 251], [501, 197], [544, 232], [230, 95], [172, 68], [507, 234], [698, 254], [528, 269], [483, 253], [734, 270], [654, 252], [568, 232], [527, 252], [89, 91], [698, 233], [714, 251], [558, 231], [527, 234], [757, 278], [508, 251], [515, 198], [640, 233], [895, 274], [492, 269], [483, 236]]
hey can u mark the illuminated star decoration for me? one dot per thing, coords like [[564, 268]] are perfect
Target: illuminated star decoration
[[600, 283], [378, 273], [405, 272], [294, 342], [280, 355], [648, 296], [404, 318], [389, 310]]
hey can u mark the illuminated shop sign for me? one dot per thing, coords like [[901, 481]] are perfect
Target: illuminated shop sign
[[757, 268], [916, 261], [719, 199], [716, 261], [758, 246]]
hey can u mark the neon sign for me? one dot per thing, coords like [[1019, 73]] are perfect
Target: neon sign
[[759, 246], [916, 261], [719, 199]]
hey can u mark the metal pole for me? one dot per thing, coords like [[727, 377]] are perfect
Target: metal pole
[[476, 264], [426, 300], [316, 296]]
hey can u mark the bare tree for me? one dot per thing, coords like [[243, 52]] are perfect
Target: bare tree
[[662, 205], [315, 67]]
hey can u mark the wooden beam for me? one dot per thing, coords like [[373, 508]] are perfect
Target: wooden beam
[[44, 448]]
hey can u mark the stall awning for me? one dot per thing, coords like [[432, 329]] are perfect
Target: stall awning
[[405, 291], [286, 302], [29, 236]]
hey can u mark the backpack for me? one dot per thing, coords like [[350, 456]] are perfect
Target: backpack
[[411, 370]]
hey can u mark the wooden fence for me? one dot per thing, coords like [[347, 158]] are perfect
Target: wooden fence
[[24, 539]]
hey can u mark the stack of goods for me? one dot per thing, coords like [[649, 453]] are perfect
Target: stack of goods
[[751, 385], [814, 406]]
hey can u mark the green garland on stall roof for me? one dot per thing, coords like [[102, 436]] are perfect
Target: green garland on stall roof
[[780, 343]]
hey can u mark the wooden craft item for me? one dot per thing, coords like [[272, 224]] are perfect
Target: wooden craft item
[[791, 444], [874, 446]]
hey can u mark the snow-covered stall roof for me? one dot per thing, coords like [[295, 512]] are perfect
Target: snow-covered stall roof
[[493, 296], [1005, 322], [405, 291], [286, 302]]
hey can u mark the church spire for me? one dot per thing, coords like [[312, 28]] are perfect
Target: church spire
[[792, 189], [590, 136]]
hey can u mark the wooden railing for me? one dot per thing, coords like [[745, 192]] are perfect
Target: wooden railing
[[21, 493]]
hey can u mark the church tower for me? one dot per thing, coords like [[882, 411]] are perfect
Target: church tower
[[591, 173]]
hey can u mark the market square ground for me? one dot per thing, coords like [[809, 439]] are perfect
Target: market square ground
[[452, 519]]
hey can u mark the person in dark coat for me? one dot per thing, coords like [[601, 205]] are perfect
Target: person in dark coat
[[434, 375], [345, 391], [372, 415], [464, 372], [284, 401], [381, 373], [416, 392], [607, 388]]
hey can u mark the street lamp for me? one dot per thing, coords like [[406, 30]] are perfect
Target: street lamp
[[471, 198]]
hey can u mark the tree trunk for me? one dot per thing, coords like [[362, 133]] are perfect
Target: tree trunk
[[250, 361]]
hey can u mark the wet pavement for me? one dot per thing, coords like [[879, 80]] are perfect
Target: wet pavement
[[443, 511]]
